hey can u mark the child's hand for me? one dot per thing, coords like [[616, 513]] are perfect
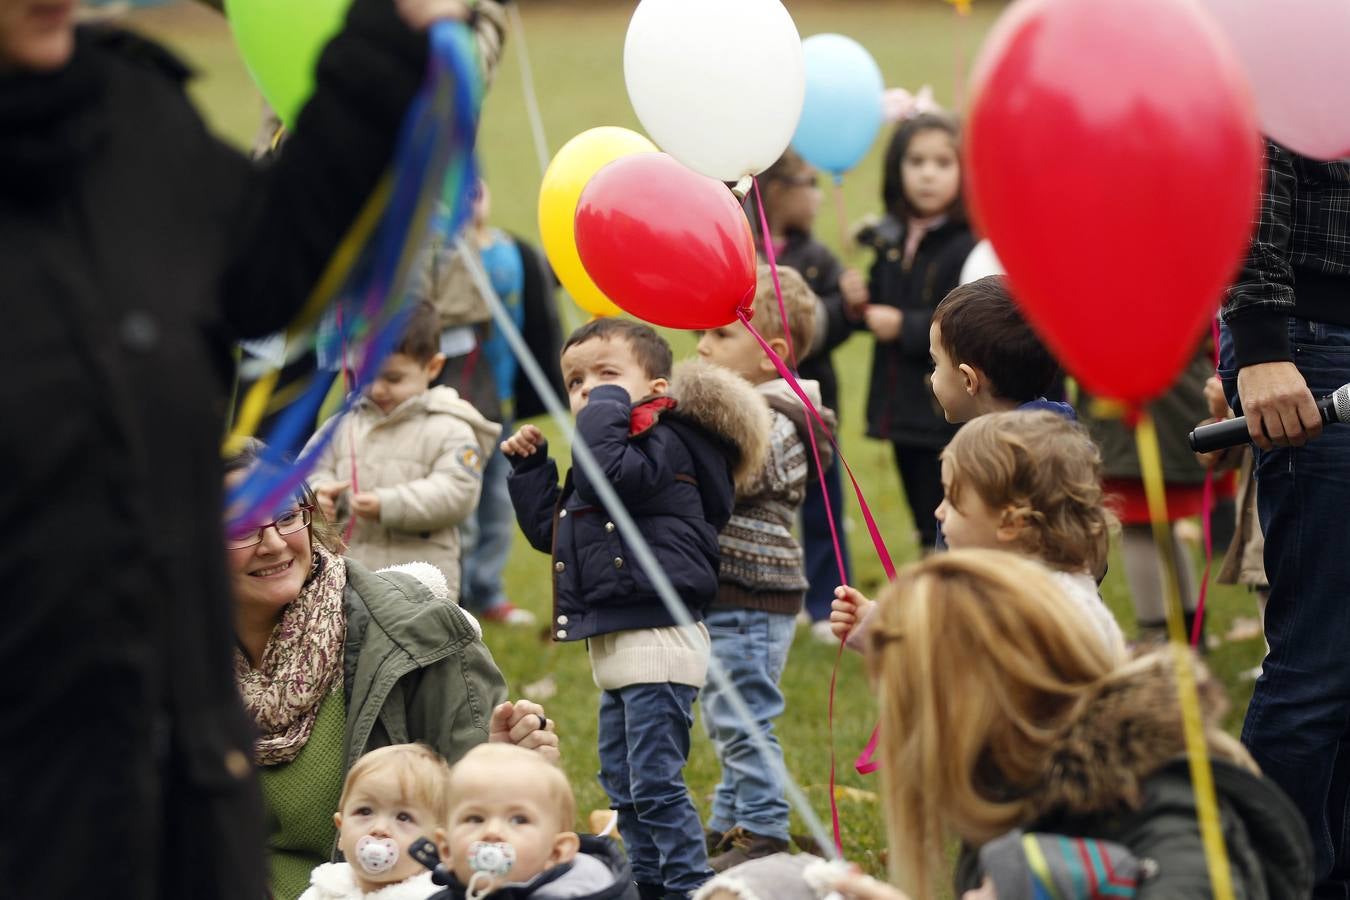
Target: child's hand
[[1214, 396], [524, 442], [367, 505], [883, 321], [848, 609], [853, 286], [326, 492], [857, 886], [419, 14]]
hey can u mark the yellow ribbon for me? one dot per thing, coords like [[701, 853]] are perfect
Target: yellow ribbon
[[1197, 751]]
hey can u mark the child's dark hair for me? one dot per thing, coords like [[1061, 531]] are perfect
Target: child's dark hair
[[422, 339], [893, 185], [982, 327], [649, 348]]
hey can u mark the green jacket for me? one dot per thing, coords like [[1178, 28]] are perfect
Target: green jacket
[[414, 668]]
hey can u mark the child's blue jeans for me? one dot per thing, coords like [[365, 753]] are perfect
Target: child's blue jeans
[[752, 647], [644, 744]]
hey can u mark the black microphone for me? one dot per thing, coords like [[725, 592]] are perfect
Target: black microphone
[[1334, 407]]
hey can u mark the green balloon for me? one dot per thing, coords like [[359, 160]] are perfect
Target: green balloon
[[280, 41]]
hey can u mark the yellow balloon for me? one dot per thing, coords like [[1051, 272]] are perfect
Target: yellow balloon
[[572, 168]]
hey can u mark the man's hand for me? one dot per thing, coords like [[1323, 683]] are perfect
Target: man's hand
[[519, 723], [1280, 410], [883, 321], [524, 442]]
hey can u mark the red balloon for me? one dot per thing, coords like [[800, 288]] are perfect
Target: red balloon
[[1113, 159], [666, 244]]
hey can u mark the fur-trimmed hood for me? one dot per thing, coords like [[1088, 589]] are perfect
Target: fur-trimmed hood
[[1131, 730], [725, 405]]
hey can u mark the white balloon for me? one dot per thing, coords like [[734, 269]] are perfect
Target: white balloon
[[718, 84], [981, 262]]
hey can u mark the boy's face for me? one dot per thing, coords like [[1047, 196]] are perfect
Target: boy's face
[[734, 348], [952, 384], [972, 526], [402, 378], [493, 809], [376, 809], [605, 361]]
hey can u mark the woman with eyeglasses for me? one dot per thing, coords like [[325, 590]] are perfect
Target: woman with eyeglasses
[[334, 660]]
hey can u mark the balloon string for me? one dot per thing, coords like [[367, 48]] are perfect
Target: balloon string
[[527, 86], [351, 425], [846, 247], [769, 253], [1202, 776], [1206, 520]]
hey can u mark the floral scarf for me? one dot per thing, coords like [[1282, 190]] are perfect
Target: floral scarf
[[301, 662]]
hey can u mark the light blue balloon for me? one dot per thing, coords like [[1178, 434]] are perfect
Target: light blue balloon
[[842, 111]]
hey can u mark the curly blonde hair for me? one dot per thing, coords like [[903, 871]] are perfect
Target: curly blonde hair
[[798, 299], [1045, 472]]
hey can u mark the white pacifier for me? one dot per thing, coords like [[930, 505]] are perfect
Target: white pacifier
[[489, 861], [376, 855]]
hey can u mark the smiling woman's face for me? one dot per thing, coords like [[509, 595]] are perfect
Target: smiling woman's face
[[268, 576], [36, 34]]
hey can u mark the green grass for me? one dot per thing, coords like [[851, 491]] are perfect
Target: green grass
[[577, 55]]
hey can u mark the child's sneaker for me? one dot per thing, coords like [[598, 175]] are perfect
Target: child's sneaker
[[508, 614]]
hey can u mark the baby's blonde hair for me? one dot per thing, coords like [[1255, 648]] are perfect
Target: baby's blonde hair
[[1047, 472], [979, 663], [799, 301], [509, 758], [423, 776]]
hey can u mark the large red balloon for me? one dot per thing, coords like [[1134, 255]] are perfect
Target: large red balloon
[[1113, 159], [666, 244]]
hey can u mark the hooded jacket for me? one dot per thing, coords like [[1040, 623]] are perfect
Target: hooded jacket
[[600, 871], [425, 462], [761, 564], [1121, 775], [674, 461]]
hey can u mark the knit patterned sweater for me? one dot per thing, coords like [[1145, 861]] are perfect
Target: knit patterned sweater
[[761, 564]]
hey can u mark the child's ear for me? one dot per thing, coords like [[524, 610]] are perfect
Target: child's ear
[[780, 346], [442, 842], [657, 386], [565, 848], [975, 379], [434, 366], [337, 820]]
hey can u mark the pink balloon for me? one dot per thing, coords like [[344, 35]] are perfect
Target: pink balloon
[[1297, 55]]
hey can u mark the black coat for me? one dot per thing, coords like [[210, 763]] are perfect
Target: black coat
[[134, 247], [821, 270], [675, 479], [607, 877], [900, 404]]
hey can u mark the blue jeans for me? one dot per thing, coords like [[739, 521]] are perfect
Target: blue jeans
[[822, 570], [752, 647], [644, 744], [487, 538], [1298, 724]]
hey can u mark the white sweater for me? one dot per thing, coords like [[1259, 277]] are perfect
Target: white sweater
[[337, 881]]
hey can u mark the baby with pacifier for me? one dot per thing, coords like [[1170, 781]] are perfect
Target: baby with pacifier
[[510, 834], [393, 797]]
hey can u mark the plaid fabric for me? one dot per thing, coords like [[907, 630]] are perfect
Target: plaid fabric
[[1302, 226]]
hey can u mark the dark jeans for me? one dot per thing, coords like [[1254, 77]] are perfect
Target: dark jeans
[[921, 475], [822, 570], [644, 744], [1298, 724]]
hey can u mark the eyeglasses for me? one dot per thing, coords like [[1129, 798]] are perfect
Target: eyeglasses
[[289, 522]]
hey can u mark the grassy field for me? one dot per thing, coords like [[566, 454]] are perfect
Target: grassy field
[[576, 52]]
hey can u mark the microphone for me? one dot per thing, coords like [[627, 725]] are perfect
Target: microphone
[[1334, 407]]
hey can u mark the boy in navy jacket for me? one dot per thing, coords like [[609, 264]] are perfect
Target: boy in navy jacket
[[672, 444]]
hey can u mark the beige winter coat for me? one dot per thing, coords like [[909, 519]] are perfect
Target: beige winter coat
[[425, 461]]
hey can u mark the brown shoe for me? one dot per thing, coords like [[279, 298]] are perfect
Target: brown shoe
[[739, 845]]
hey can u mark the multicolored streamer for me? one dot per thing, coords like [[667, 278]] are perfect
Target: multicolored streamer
[[366, 279]]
